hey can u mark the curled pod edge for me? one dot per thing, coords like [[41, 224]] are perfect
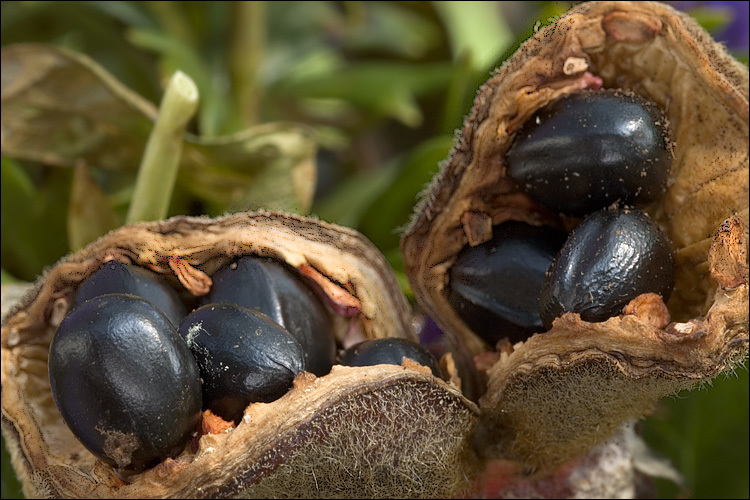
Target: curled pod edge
[[303, 454], [536, 399]]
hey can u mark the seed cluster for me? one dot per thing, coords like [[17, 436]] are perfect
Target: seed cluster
[[131, 371], [590, 155]]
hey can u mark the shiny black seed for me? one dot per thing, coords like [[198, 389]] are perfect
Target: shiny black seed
[[114, 277], [494, 287], [589, 150], [278, 291], [243, 357], [609, 259], [124, 381], [391, 351]]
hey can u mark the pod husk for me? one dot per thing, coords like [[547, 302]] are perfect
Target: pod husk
[[372, 431], [559, 393]]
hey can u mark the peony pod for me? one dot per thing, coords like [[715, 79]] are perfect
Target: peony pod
[[366, 431], [559, 393]]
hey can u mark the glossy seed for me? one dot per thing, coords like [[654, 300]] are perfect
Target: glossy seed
[[114, 277], [243, 357], [276, 290], [609, 259], [390, 351], [494, 287], [591, 149], [124, 381]]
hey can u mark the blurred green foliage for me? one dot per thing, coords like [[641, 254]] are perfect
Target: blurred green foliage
[[382, 85]]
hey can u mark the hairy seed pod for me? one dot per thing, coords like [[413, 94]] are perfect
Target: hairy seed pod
[[536, 397], [315, 427], [391, 430]]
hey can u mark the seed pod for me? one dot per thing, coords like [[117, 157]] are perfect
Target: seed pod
[[610, 259], [273, 289], [243, 357], [310, 441], [591, 149], [358, 423], [102, 356], [115, 277], [388, 351], [536, 405], [495, 286]]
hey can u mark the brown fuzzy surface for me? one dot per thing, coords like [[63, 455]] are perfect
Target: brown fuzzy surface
[[560, 392], [384, 426]]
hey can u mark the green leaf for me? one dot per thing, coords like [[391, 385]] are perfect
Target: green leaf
[[270, 166], [705, 435], [127, 13], [347, 204], [11, 487], [460, 92], [91, 27], [33, 225], [89, 213], [389, 27], [384, 89], [60, 108], [711, 17], [392, 208], [6, 277], [396, 261], [477, 27]]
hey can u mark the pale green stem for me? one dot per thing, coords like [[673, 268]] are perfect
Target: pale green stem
[[161, 159], [248, 50], [172, 18]]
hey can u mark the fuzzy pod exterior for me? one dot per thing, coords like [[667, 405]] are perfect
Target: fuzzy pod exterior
[[317, 449], [624, 365]]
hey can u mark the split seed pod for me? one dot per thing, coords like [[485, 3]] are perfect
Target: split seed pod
[[557, 394], [365, 431]]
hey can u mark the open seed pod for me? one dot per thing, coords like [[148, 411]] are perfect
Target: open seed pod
[[558, 393], [366, 431]]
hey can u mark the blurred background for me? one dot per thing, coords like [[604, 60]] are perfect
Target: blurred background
[[370, 92]]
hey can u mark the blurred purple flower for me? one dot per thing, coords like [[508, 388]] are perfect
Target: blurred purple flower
[[735, 33], [431, 337]]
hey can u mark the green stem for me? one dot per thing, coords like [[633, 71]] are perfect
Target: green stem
[[161, 159], [248, 50], [172, 18]]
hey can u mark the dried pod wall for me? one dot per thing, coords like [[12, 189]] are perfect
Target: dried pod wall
[[369, 431], [558, 393]]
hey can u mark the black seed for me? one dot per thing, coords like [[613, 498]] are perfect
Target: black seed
[[276, 290], [591, 149], [124, 381], [114, 277], [390, 351], [609, 259], [494, 287], [243, 357]]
